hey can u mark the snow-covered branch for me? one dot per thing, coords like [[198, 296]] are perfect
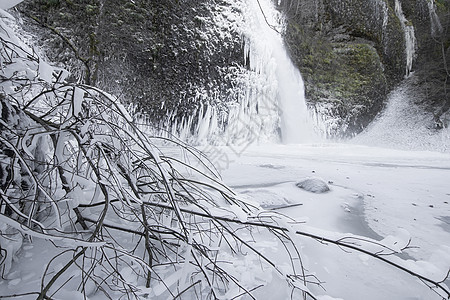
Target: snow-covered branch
[[124, 217]]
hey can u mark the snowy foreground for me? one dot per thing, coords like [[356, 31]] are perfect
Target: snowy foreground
[[374, 192], [400, 199], [386, 195]]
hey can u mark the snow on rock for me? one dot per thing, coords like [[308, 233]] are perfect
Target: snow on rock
[[406, 125], [313, 185]]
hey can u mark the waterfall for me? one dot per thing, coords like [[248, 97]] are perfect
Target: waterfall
[[268, 56], [270, 104], [410, 38], [436, 27]]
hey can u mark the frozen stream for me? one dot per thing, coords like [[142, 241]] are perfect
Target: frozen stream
[[374, 192]]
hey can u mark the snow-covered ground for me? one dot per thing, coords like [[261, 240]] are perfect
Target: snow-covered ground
[[374, 192], [383, 194], [407, 124]]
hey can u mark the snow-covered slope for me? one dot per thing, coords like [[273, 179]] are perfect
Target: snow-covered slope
[[405, 124]]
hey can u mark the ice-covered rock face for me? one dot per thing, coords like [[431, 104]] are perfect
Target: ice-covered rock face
[[404, 35], [172, 59], [350, 53], [313, 185], [209, 71]]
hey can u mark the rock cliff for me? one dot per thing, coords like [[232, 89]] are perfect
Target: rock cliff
[[353, 52], [170, 56], [166, 56]]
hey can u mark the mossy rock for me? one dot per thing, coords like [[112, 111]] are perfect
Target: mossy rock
[[350, 53], [345, 77]]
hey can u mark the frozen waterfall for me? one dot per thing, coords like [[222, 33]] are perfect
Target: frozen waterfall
[[436, 26], [410, 38], [268, 56], [270, 106]]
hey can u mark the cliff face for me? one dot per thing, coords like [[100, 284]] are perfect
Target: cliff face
[[432, 23], [353, 52], [166, 56], [172, 56], [350, 52]]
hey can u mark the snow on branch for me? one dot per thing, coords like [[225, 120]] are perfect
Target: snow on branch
[[124, 217]]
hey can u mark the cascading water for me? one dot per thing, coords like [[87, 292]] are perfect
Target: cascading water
[[436, 26], [268, 57], [270, 92], [410, 38]]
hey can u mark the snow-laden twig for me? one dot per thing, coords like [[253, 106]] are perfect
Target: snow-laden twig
[[98, 159], [138, 222]]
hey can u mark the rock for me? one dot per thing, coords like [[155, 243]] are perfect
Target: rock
[[349, 55], [159, 55], [162, 54], [313, 185], [265, 198], [352, 55]]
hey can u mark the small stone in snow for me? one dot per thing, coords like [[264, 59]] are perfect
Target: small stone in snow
[[313, 185], [431, 205]]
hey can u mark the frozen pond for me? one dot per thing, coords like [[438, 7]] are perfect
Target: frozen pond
[[374, 192]]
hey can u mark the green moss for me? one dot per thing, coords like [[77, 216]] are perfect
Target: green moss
[[92, 9], [345, 70], [49, 3], [348, 76], [442, 5]]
